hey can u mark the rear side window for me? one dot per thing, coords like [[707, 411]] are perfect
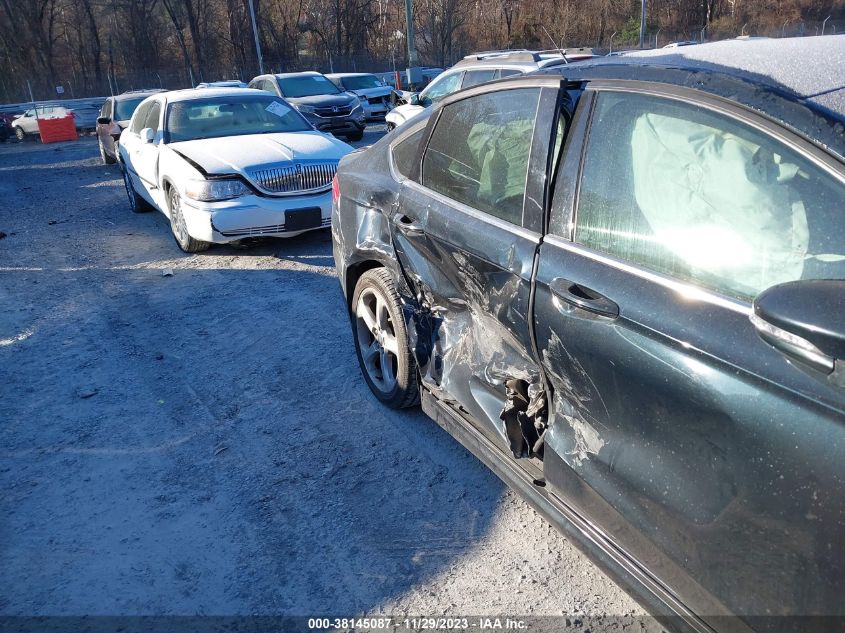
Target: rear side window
[[702, 197], [479, 151], [139, 118], [476, 77], [507, 72], [406, 152]]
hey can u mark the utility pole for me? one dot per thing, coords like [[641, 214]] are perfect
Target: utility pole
[[412, 49], [257, 44], [642, 23]]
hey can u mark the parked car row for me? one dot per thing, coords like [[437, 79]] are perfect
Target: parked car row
[[620, 287]]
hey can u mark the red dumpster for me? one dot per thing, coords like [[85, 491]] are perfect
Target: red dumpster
[[54, 130]]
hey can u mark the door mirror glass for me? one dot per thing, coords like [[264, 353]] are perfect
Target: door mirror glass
[[804, 320], [103, 120], [147, 135], [414, 99]]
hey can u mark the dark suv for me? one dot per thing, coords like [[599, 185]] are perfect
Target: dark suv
[[621, 284], [326, 107]]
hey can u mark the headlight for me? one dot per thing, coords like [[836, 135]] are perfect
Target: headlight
[[305, 109], [356, 103], [211, 190]]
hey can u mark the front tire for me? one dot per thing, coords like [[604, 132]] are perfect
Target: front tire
[[179, 227], [107, 160], [381, 340], [136, 203], [20, 134]]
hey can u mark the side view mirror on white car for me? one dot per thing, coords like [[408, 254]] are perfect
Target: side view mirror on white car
[[147, 135]]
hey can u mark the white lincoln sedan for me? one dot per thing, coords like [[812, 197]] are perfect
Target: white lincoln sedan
[[227, 164]]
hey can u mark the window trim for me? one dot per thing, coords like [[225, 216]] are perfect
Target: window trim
[[736, 112]]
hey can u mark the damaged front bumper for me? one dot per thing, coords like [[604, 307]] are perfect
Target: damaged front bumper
[[256, 216]]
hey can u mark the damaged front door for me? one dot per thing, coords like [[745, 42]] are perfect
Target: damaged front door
[[466, 229]]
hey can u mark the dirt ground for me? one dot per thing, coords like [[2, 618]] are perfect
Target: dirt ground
[[204, 443]]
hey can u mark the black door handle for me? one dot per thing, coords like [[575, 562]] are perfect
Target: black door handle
[[407, 225], [584, 298]]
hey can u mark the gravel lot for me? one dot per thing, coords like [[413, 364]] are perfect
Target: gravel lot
[[203, 443]]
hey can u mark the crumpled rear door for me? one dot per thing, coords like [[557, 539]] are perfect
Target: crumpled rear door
[[471, 271]]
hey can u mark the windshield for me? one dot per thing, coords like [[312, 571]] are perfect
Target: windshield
[[123, 109], [361, 83], [307, 86], [231, 116]]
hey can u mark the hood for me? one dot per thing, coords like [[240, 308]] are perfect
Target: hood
[[322, 101], [236, 154], [380, 91]]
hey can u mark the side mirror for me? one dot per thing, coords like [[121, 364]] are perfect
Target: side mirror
[[147, 135], [414, 99], [103, 120], [805, 320]]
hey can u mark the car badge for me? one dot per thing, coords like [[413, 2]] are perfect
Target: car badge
[[335, 109]]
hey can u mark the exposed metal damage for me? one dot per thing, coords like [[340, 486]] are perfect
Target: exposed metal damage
[[524, 417]]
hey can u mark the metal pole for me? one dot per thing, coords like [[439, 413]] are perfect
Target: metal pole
[[642, 23], [29, 85], [257, 44], [824, 23], [412, 49], [612, 35]]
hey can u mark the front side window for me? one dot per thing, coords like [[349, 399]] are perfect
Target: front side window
[[479, 151], [307, 86], [140, 117], [153, 117], [234, 115], [106, 111], [702, 197], [439, 89]]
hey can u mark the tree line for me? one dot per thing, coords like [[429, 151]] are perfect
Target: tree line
[[94, 47]]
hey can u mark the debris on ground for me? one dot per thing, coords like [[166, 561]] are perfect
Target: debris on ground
[[166, 272], [86, 393]]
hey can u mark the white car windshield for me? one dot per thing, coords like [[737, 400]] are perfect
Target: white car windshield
[[361, 83], [307, 86], [231, 116]]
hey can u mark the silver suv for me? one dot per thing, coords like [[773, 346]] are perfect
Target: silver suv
[[480, 68]]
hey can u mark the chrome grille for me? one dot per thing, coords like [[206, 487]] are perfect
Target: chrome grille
[[296, 178]]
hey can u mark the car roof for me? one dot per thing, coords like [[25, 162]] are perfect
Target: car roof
[[779, 64], [808, 73], [342, 75], [134, 94], [305, 73], [204, 93]]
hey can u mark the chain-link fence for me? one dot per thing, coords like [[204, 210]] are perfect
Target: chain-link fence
[[111, 80]]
